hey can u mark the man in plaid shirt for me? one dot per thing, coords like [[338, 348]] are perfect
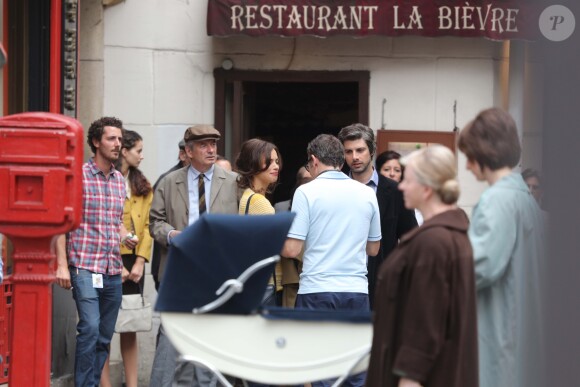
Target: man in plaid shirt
[[94, 266]]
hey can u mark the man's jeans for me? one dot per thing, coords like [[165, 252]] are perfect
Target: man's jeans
[[336, 301], [98, 309]]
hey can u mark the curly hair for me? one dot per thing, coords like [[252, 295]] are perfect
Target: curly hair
[[97, 129], [250, 161], [139, 184]]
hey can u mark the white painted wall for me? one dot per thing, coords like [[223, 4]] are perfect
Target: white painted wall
[[158, 73], [159, 63]]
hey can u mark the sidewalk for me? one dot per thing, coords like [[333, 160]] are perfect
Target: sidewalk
[[146, 342], [146, 354]]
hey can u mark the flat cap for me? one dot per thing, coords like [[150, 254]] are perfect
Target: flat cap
[[181, 144], [201, 132]]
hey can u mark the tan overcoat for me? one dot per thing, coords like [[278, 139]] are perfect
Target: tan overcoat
[[170, 207]]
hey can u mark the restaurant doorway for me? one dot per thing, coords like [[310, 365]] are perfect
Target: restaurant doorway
[[288, 109]]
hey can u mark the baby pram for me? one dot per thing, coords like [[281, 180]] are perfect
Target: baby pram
[[214, 281]]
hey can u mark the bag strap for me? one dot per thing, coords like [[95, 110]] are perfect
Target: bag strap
[[248, 204], [141, 291]]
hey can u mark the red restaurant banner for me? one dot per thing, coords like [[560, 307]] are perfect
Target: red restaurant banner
[[498, 20]]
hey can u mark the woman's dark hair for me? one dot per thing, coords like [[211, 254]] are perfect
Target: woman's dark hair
[[491, 140], [250, 161], [97, 129], [139, 184], [386, 156]]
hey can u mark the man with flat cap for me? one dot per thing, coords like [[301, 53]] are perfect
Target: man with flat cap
[[179, 200]]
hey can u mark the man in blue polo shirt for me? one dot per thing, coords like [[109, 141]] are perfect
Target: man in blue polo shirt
[[338, 223]]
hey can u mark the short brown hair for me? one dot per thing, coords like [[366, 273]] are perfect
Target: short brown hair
[[328, 149], [491, 140], [359, 131]]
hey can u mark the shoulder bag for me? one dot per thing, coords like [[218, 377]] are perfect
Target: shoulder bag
[[134, 314]]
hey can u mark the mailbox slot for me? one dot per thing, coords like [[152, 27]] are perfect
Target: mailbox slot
[[34, 146]]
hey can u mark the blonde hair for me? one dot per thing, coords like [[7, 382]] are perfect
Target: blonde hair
[[435, 166]]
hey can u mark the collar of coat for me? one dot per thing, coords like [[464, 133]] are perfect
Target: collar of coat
[[453, 219]]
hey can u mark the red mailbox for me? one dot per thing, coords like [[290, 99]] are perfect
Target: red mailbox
[[41, 157]]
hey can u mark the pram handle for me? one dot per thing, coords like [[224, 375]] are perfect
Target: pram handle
[[232, 286]]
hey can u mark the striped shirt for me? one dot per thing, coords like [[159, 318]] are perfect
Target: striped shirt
[[94, 246]]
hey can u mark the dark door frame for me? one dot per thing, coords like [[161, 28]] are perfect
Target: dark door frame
[[237, 77]]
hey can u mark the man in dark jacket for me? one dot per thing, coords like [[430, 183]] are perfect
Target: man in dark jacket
[[360, 147]]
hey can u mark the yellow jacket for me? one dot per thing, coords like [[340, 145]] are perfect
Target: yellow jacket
[[136, 220]]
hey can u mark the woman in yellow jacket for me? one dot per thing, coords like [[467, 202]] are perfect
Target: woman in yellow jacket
[[136, 220], [258, 166]]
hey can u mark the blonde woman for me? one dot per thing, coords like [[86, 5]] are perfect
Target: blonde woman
[[425, 331], [136, 220]]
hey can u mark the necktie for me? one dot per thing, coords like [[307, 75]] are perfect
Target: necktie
[[201, 190]]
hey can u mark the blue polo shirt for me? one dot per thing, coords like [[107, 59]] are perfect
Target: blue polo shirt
[[335, 216]]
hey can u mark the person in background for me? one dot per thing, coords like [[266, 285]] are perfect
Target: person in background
[[224, 163], [156, 255], [507, 236], [183, 162], [88, 258], [359, 147], [388, 164], [291, 268], [302, 177], [425, 327], [136, 220], [534, 182]]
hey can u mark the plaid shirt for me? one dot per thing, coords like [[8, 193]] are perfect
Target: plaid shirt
[[94, 246]]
